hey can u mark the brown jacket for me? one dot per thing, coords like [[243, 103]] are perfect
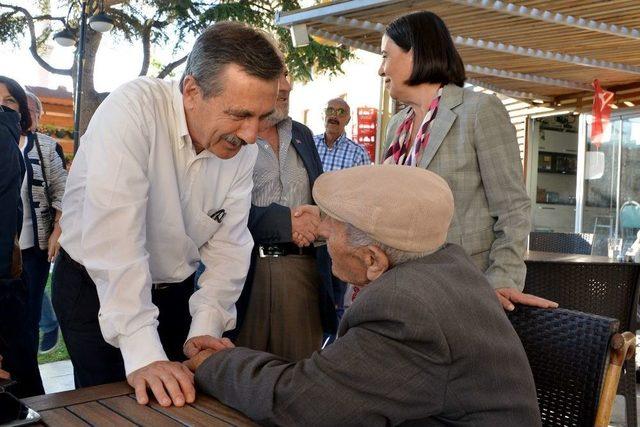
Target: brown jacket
[[427, 344]]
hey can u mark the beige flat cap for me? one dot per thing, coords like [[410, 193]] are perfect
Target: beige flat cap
[[407, 208]]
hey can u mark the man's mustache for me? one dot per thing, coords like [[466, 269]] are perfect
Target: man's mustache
[[333, 121], [238, 142]]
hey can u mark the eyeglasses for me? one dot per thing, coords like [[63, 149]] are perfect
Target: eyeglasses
[[330, 111]]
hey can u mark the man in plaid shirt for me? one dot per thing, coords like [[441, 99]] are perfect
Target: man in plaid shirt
[[335, 149], [338, 152]]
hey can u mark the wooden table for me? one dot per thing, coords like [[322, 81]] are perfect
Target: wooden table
[[115, 405]]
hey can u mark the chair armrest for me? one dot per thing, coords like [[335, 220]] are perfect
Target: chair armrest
[[623, 347]]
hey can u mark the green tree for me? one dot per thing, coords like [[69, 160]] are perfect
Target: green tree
[[165, 23]]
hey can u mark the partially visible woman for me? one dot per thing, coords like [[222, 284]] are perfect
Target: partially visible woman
[[48, 321], [42, 191], [465, 137], [19, 358]]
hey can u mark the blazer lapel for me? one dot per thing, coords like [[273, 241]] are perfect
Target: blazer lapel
[[451, 98], [306, 155]]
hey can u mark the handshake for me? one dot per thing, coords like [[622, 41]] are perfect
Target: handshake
[[305, 220]]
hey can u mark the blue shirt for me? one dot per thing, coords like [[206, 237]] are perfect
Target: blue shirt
[[344, 154]]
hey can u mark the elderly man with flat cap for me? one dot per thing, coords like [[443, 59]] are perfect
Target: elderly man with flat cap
[[425, 343]]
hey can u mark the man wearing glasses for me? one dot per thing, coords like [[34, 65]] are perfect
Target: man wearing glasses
[[335, 149], [339, 152]]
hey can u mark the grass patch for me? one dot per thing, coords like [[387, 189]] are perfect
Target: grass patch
[[59, 353]]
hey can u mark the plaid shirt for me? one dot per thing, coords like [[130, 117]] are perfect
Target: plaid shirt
[[344, 154]]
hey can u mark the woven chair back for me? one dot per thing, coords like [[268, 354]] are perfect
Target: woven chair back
[[567, 352], [566, 243]]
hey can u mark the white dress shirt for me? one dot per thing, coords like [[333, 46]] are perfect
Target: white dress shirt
[[137, 211]]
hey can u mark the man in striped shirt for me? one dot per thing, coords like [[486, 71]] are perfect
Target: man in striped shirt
[[335, 149]]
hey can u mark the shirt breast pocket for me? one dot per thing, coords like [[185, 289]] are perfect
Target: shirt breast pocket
[[203, 229]]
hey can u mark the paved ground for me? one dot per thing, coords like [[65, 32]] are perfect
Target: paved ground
[[57, 376]]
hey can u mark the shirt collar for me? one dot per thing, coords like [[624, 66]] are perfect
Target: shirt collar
[[340, 139], [180, 117], [285, 129]]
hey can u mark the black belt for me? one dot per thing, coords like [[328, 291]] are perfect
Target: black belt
[[284, 249], [189, 281]]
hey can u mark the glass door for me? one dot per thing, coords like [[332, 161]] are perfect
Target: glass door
[[629, 193], [611, 185]]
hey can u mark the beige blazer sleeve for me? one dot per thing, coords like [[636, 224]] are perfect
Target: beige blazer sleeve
[[501, 172]]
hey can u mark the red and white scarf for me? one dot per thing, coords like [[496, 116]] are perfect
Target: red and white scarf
[[405, 152]]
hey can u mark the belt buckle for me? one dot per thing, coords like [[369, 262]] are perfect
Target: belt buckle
[[264, 255], [273, 251]]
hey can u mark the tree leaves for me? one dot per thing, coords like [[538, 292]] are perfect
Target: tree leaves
[[12, 27], [173, 21]]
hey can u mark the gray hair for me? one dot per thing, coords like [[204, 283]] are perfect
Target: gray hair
[[35, 99], [357, 237], [225, 43]]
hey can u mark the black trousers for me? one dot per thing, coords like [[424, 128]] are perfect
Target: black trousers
[[76, 303]]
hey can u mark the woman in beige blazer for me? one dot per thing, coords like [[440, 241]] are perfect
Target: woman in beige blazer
[[465, 137]]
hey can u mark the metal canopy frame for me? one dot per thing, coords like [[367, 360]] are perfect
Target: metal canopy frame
[[556, 64]]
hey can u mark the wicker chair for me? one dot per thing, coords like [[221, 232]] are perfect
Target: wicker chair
[[566, 243], [567, 352], [607, 289]]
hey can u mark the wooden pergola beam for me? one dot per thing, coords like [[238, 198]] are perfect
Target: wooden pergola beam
[[498, 47], [551, 17]]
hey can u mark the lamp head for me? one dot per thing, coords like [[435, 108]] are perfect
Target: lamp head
[[65, 37], [101, 22]]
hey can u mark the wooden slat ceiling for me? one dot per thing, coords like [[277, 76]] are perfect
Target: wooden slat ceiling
[[498, 26]]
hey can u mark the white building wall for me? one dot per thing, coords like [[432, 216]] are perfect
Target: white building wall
[[359, 86]]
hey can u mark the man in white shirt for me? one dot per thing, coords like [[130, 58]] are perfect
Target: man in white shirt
[[161, 182]]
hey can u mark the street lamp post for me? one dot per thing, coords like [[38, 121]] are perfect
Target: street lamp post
[[100, 22], [80, 66]]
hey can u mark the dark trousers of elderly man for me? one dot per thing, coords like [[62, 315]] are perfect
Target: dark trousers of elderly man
[[287, 302]]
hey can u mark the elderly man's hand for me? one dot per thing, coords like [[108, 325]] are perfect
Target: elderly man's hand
[[305, 220], [197, 360], [3, 374], [203, 342], [510, 296], [170, 382]]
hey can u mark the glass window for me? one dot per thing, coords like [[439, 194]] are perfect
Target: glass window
[[612, 183]]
